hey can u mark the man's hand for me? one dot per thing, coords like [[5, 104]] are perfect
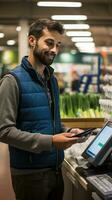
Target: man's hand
[[64, 140], [76, 131]]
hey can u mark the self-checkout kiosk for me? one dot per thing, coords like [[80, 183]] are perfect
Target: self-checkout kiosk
[[98, 166]]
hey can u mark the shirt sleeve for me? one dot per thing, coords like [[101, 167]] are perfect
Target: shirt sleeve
[[9, 134]]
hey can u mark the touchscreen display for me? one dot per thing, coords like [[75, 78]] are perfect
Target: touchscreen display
[[99, 142]]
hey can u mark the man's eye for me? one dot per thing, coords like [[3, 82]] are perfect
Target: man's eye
[[58, 44], [50, 43]]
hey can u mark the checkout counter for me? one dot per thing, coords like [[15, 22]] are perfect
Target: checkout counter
[[79, 186], [75, 184]]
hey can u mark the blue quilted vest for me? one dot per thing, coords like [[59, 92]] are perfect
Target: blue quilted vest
[[35, 116]]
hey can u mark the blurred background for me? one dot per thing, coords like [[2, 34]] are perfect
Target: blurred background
[[83, 66]]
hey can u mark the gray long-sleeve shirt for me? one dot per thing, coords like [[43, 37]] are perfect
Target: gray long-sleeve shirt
[[9, 101]]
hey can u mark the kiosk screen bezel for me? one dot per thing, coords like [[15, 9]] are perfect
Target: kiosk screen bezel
[[104, 150]]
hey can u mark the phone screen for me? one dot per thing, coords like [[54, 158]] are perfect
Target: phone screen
[[85, 133]]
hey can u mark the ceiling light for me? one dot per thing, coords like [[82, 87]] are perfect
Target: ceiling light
[[82, 39], [75, 26], [85, 45], [69, 17], [58, 4], [11, 42], [18, 28], [2, 35], [87, 50], [78, 33]]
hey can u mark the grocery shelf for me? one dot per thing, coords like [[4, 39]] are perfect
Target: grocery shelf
[[83, 122]]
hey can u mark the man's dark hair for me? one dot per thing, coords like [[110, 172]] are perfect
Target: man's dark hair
[[37, 27]]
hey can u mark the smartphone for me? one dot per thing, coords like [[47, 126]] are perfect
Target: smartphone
[[85, 133]]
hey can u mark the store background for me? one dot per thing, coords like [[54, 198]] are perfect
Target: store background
[[93, 64], [17, 15]]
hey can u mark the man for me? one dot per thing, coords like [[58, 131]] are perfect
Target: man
[[30, 120]]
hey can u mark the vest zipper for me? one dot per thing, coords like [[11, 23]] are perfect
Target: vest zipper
[[57, 152], [53, 121]]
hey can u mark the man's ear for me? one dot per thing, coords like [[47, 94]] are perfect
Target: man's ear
[[32, 41]]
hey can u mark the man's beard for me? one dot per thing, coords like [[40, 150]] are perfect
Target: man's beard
[[44, 57]]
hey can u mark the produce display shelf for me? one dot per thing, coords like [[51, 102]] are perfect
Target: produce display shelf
[[83, 122]]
